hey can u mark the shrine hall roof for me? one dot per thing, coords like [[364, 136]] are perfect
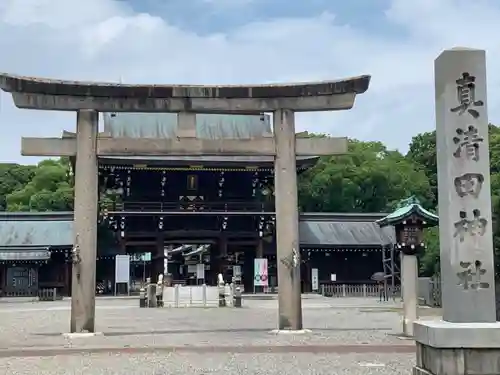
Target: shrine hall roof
[[164, 125], [208, 126], [338, 229], [40, 229], [316, 230]]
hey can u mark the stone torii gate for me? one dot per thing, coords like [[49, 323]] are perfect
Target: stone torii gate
[[88, 99]]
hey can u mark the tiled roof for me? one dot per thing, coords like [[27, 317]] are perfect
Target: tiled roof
[[324, 229]]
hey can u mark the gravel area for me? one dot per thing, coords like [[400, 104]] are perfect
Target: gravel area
[[347, 335], [123, 323], [184, 364]]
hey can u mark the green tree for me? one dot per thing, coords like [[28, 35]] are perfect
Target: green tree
[[423, 152], [429, 260], [50, 189], [369, 178], [13, 177]]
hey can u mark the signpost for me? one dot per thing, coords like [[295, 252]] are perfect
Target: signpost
[[122, 271], [314, 279]]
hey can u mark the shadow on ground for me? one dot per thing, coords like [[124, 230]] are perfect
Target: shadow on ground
[[228, 330]]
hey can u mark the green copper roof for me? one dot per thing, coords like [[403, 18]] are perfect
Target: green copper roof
[[22, 230], [405, 209], [15, 233], [47, 229], [208, 126]]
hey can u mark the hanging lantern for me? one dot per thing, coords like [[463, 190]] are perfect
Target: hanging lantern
[[224, 223], [255, 181], [128, 183], [163, 182], [221, 184]]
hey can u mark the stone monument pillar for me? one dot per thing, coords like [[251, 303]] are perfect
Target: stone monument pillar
[[467, 340], [409, 276], [287, 222], [85, 224]]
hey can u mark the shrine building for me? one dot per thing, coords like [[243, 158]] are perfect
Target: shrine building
[[220, 208]]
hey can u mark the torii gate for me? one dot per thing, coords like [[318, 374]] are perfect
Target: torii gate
[[88, 99]]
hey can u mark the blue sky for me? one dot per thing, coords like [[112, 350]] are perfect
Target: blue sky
[[212, 16], [249, 41]]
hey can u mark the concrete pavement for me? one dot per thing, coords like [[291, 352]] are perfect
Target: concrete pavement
[[348, 335]]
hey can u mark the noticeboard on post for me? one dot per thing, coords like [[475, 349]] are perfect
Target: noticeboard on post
[[122, 269]]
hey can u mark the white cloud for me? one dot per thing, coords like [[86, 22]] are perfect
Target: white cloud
[[228, 3], [106, 40]]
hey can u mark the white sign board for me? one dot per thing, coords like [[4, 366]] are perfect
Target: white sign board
[[236, 271], [314, 279], [122, 269], [200, 271], [333, 277], [260, 274]]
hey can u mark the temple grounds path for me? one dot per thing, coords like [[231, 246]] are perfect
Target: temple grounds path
[[349, 335]]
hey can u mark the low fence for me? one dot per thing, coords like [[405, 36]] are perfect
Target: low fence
[[49, 294], [358, 290], [195, 296], [429, 291]]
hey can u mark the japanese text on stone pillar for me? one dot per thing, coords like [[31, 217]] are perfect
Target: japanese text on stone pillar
[[468, 141]]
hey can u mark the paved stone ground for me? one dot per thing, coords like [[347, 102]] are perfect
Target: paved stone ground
[[349, 335]]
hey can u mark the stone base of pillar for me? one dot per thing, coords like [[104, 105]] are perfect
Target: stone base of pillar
[[290, 331], [457, 348], [407, 327]]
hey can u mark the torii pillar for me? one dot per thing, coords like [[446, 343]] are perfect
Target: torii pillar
[[287, 222], [85, 224]]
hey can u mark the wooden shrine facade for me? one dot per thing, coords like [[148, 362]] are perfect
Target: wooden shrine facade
[[35, 250], [222, 205]]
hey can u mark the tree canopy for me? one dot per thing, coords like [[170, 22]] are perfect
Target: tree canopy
[[369, 178], [45, 187]]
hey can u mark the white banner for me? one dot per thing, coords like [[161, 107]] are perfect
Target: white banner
[[122, 269], [260, 275], [314, 279]]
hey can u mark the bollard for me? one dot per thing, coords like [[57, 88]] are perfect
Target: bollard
[[176, 295], [159, 295], [236, 291], [222, 295], [237, 296], [142, 298], [151, 295], [222, 290], [159, 291], [204, 295]]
